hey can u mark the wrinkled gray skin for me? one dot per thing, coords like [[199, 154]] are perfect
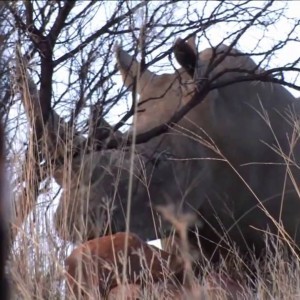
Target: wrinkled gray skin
[[228, 192]]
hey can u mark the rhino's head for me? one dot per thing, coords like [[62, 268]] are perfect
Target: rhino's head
[[96, 192]]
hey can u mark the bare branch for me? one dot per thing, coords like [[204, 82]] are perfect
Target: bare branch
[[101, 31], [60, 21]]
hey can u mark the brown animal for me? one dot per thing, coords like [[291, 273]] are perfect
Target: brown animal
[[99, 264], [95, 269], [231, 160]]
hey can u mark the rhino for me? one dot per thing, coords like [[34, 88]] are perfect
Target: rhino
[[233, 158], [231, 161]]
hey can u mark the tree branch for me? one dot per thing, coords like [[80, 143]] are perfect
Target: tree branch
[[97, 34], [60, 21]]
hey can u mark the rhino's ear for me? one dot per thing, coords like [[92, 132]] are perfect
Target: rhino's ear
[[129, 68], [186, 55], [191, 41]]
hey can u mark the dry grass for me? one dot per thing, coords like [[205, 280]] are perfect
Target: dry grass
[[37, 266], [37, 272], [37, 269]]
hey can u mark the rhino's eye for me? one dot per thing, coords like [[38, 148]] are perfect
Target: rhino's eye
[[162, 156]]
